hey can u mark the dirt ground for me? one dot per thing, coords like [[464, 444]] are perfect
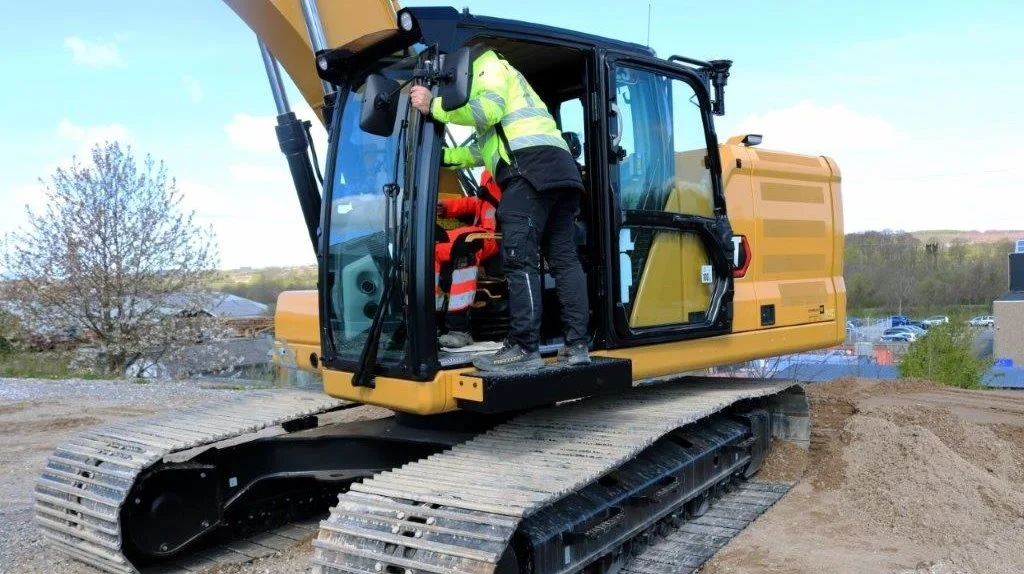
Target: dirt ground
[[901, 477]]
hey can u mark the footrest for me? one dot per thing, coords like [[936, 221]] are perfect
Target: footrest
[[486, 392]]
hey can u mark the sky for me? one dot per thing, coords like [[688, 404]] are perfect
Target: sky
[[920, 103]]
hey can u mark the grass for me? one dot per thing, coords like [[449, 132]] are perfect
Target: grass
[[41, 365]]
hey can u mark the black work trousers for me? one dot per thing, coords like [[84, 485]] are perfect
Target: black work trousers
[[529, 221]]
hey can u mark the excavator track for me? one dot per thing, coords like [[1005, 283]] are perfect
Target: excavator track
[[456, 512], [686, 548], [81, 491]]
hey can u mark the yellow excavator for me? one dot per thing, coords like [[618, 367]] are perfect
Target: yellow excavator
[[699, 254]]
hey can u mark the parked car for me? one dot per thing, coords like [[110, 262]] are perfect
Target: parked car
[[982, 321], [936, 320], [898, 320], [906, 330], [900, 337], [920, 325]]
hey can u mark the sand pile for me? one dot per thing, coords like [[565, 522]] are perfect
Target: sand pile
[[911, 478]]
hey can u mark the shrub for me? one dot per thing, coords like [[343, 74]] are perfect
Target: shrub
[[944, 356]]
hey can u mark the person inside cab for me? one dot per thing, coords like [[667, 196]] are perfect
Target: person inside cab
[[458, 257], [519, 142]]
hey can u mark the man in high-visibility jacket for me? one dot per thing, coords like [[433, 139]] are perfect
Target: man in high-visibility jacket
[[462, 290], [519, 142]]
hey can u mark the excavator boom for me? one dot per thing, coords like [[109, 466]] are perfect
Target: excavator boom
[[280, 25]]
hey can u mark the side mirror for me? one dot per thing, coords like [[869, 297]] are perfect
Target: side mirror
[[458, 71], [380, 105]]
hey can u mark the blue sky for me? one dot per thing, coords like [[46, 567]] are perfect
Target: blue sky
[[919, 102]]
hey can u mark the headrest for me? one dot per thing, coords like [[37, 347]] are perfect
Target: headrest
[[575, 145]]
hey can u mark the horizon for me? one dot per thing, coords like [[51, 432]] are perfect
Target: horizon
[[185, 84]]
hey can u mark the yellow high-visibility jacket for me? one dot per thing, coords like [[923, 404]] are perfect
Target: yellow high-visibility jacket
[[499, 96]]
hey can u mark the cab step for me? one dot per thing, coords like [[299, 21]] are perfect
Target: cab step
[[502, 392]]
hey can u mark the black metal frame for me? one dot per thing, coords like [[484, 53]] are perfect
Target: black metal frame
[[715, 232], [174, 506]]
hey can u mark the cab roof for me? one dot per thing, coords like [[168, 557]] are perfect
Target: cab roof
[[467, 20]]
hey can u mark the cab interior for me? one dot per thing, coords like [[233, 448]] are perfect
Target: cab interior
[[558, 75]]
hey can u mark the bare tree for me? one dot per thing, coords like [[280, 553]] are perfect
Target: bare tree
[[112, 258]]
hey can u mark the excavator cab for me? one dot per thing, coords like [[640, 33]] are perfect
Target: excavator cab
[[652, 231]]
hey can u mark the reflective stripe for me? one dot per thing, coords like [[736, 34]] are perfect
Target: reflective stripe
[[474, 150], [525, 87], [457, 302], [498, 100], [530, 141], [463, 289], [462, 275], [525, 114], [479, 116], [529, 289]]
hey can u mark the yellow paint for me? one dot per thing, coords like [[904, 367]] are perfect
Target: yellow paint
[[670, 286], [417, 397], [279, 24], [468, 388], [440, 394], [799, 273]]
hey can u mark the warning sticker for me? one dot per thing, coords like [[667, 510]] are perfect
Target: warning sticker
[[705, 274]]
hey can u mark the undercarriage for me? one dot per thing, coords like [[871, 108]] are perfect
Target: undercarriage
[[583, 486]]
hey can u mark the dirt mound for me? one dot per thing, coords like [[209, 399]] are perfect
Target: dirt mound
[[900, 477]]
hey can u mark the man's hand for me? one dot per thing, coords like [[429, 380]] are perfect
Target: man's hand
[[420, 98]]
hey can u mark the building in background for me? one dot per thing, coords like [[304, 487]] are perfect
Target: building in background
[[1009, 317]]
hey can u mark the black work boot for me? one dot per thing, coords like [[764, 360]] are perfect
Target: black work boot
[[573, 354], [510, 358]]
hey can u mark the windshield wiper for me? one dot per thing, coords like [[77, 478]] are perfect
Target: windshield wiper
[[363, 376]]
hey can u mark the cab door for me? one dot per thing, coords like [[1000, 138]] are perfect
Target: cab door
[[671, 267]]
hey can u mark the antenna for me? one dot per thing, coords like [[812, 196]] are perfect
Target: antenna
[[649, 24]]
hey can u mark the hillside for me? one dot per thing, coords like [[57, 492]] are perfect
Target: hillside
[[948, 235]]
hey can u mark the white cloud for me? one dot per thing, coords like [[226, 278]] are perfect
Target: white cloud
[[812, 128], [193, 89], [257, 225], [271, 173], [94, 54], [32, 195], [252, 133], [87, 136], [255, 133], [894, 178]]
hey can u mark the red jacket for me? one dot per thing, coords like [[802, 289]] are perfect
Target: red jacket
[[484, 220]]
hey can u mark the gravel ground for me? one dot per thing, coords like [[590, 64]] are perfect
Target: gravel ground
[[35, 415], [901, 477]]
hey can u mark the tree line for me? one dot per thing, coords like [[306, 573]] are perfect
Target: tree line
[[901, 273]]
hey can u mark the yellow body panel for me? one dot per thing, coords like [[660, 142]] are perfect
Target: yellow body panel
[[279, 24], [788, 206], [670, 287]]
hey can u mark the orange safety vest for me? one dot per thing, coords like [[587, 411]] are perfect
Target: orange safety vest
[[463, 289]]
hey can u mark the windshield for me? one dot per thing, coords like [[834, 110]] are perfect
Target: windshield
[[366, 230]]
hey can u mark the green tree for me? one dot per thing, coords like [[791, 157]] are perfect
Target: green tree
[[944, 356], [112, 259]]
